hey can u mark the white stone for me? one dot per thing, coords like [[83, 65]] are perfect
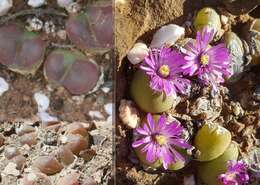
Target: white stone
[[5, 6], [46, 117], [224, 19], [42, 101], [36, 3], [105, 89], [167, 35], [31, 177], [10, 169], [73, 8], [4, 86], [138, 53], [49, 27], [109, 108], [95, 114], [62, 34], [64, 3], [35, 24]]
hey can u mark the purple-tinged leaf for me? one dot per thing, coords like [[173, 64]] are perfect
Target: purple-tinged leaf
[[73, 70]]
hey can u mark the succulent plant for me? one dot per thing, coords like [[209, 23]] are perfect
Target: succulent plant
[[252, 32], [147, 99], [21, 51], [209, 171], [211, 141], [208, 17], [236, 50], [238, 7], [73, 70], [180, 164], [93, 29]]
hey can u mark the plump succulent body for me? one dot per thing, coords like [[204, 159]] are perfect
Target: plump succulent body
[[93, 29], [209, 171], [207, 17], [236, 50], [21, 51], [73, 70], [211, 141], [146, 98]]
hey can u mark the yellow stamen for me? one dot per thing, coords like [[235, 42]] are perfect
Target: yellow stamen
[[161, 140], [204, 59], [164, 70]]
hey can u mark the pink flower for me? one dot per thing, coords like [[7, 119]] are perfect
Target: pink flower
[[163, 66], [159, 139], [210, 64], [236, 174]]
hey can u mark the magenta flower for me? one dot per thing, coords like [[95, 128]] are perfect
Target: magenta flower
[[210, 64], [163, 66], [236, 173], [159, 139]]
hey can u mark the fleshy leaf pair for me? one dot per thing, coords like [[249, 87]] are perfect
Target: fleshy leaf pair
[[23, 52], [92, 30]]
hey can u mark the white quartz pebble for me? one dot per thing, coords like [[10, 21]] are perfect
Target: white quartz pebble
[[5, 6], [3, 86], [36, 3], [167, 35], [42, 101], [138, 53]]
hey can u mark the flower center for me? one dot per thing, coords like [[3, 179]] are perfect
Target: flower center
[[204, 59], [164, 70], [160, 139]]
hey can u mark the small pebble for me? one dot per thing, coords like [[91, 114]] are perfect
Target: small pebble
[[24, 129], [5, 6], [76, 128], [11, 152], [109, 108], [10, 169], [69, 179], [49, 27], [46, 117], [73, 8], [88, 154], [89, 181], [19, 161], [62, 34], [65, 155], [105, 89], [42, 101], [34, 178], [77, 143], [35, 24], [36, 3], [28, 139], [4, 86], [95, 114], [64, 3], [48, 165]]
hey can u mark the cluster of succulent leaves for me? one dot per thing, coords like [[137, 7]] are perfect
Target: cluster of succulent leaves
[[213, 142], [24, 52]]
